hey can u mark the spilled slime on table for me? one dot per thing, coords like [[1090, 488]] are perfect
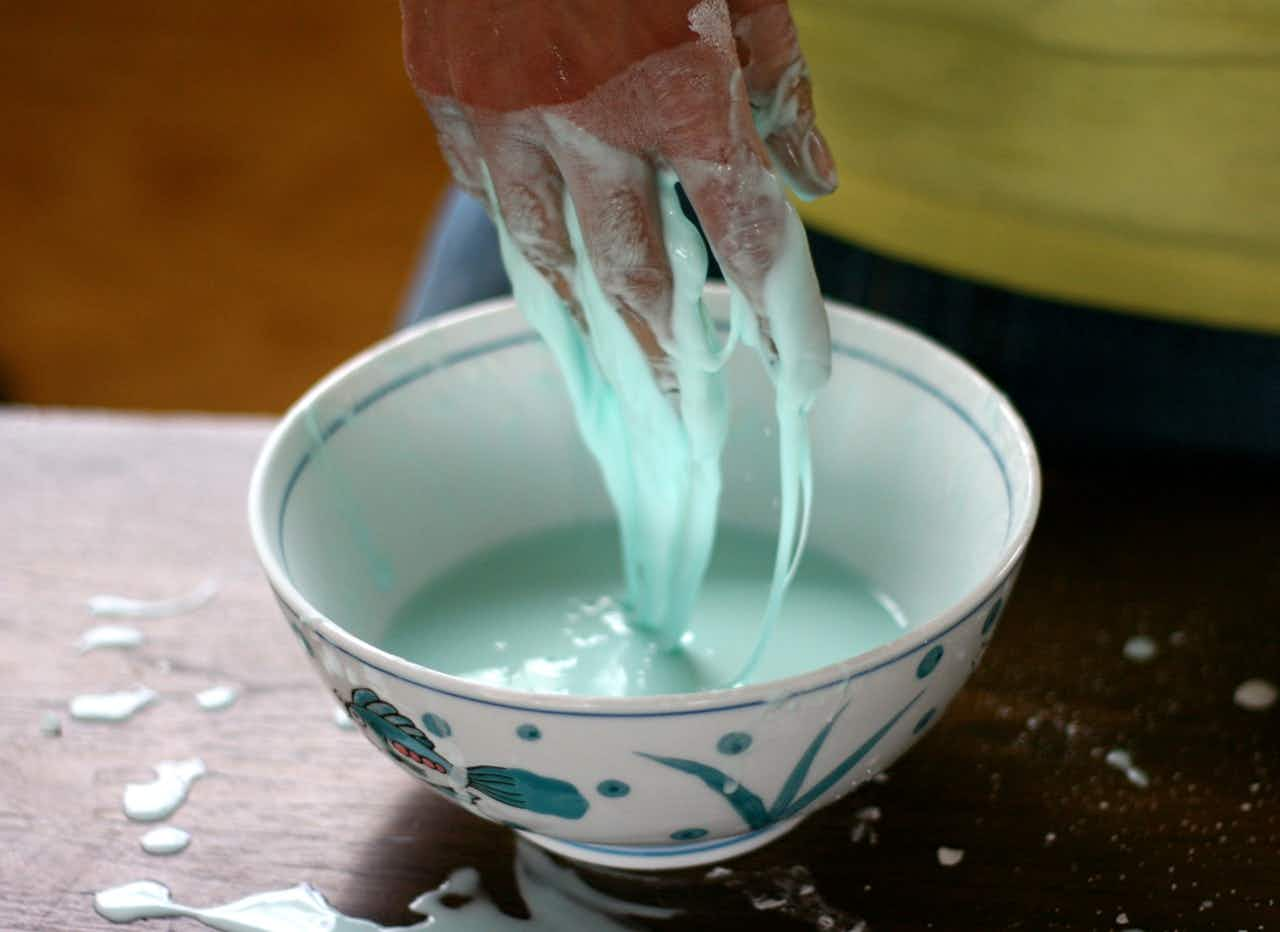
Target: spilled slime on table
[[216, 698], [556, 898], [117, 606], [111, 707], [160, 798], [164, 840], [109, 636]]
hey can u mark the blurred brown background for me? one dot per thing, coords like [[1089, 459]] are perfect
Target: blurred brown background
[[202, 206]]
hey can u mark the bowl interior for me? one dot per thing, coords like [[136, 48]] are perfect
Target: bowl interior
[[455, 437]]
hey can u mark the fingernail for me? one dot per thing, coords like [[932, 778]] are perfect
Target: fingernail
[[821, 164]]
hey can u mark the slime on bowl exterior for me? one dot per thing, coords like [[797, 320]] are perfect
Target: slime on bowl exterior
[[654, 782]]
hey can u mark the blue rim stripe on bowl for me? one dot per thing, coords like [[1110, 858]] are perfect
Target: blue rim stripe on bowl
[[529, 336], [369, 400]]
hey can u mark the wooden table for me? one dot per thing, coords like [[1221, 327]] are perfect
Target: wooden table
[[1053, 838]]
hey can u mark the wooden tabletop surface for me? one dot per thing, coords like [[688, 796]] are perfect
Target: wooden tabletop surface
[[1053, 837]]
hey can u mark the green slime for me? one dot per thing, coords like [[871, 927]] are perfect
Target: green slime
[[660, 457], [542, 613]]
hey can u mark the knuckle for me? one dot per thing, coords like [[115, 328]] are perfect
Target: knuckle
[[536, 225], [642, 289]]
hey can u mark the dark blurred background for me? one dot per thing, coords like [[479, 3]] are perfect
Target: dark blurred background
[[203, 206]]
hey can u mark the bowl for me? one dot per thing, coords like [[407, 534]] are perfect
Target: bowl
[[455, 436]]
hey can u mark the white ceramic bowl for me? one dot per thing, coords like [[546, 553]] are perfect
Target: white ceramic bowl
[[452, 437]]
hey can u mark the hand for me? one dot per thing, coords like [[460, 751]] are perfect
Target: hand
[[592, 98]]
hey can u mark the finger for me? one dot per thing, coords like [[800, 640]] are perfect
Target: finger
[[728, 180], [458, 145], [754, 232], [529, 195], [781, 96], [615, 198]]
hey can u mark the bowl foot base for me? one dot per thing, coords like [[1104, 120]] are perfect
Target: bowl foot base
[[663, 857]]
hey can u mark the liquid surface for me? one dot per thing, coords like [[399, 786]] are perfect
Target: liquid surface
[[544, 613]]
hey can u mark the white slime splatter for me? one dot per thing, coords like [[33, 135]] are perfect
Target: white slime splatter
[[51, 725], [1256, 695], [159, 799], [1140, 649], [121, 636], [864, 821], [165, 840], [342, 718], [217, 697], [1121, 760], [950, 857], [111, 707], [557, 900], [117, 606]]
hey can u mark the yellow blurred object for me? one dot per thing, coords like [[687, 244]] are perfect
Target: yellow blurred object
[[1123, 154]]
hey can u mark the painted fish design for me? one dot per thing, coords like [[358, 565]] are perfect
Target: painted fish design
[[410, 745]]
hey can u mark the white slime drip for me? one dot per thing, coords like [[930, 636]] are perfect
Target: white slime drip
[[217, 697], [165, 840], [342, 719], [557, 901], [159, 799], [111, 707], [115, 606], [122, 636]]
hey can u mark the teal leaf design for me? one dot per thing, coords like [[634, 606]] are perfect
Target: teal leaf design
[[750, 807], [801, 769], [746, 803], [847, 764]]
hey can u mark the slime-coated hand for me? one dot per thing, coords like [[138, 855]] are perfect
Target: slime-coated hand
[[592, 98]]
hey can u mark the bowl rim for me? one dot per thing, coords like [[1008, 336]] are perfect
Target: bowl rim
[[721, 699]]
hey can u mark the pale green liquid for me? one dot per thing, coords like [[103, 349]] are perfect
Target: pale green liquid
[[542, 613]]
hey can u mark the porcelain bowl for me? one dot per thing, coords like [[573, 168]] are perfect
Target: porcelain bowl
[[455, 436]]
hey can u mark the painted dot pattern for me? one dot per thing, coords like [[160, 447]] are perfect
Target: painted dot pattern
[[930, 662], [992, 616], [688, 834], [528, 732], [436, 725], [614, 789], [735, 742]]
